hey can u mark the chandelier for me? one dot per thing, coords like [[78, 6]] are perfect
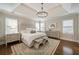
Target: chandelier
[[42, 13]]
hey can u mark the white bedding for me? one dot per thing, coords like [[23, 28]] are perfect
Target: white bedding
[[28, 38]]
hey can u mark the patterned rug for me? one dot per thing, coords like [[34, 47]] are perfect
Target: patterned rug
[[48, 49]]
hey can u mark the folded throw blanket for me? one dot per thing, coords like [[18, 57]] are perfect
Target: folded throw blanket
[[40, 41]]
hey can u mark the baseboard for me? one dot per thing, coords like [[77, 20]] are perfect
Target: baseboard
[[70, 40]]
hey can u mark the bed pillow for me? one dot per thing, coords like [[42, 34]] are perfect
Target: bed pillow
[[30, 30], [23, 31], [33, 31], [26, 31]]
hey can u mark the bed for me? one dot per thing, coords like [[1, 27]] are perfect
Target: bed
[[30, 38]]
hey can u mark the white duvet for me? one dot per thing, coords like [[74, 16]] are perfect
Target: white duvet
[[28, 38]]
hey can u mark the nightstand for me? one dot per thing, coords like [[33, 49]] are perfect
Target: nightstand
[[53, 34], [12, 37]]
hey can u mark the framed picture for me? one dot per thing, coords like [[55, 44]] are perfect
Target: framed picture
[[52, 26]]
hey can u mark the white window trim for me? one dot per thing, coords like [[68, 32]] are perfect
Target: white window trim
[[6, 25], [72, 27]]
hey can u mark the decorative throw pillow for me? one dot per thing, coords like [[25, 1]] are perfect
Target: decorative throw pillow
[[33, 31]]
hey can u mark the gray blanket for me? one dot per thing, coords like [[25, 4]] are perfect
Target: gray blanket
[[39, 42]]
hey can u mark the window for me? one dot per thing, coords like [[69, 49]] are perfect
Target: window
[[37, 26], [11, 26], [40, 26], [68, 26]]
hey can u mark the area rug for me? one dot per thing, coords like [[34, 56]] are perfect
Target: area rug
[[48, 49]]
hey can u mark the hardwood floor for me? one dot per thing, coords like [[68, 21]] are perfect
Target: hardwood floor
[[64, 48], [67, 48], [6, 50]]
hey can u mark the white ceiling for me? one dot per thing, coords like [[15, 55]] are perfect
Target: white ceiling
[[30, 9], [37, 6], [8, 6], [26, 9], [71, 7]]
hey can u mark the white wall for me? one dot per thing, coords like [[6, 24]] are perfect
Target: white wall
[[22, 24], [22, 21], [78, 28], [26, 23], [58, 21], [2, 28]]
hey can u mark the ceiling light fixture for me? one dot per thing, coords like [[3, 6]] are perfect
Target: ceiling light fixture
[[42, 13]]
